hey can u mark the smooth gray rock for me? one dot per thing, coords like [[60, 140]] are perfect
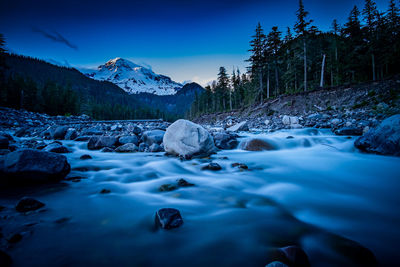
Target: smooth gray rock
[[384, 139], [56, 148], [241, 126], [128, 139], [153, 137], [168, 218], [28, 204], [71, 134], [155, 148], [354, 131], [60, 132], [99, 142], [225, 140], [127, 148]]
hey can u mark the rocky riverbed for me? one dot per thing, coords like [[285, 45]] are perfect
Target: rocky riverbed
[[80, 192]]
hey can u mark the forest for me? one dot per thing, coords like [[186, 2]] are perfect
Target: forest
[[303, 58]]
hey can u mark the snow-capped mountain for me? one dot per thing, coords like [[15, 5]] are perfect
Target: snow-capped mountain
[[134, 78]]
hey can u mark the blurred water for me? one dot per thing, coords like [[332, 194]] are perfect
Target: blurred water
[[312, 185]]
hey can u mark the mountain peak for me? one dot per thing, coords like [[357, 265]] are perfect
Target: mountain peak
[[134, 78]]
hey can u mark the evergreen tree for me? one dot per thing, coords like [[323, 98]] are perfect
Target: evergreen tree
[[370, 13], [273, 46]]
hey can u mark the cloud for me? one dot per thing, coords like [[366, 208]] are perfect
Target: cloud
[[56, 37]]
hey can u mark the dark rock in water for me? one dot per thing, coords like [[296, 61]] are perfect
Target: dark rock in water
[[60, 132], [349, 131], [256, 145], [15, 238], [83, 138], [240, 165], [4, 142], [143, 147], [56, 148], [155, 148], [168, 218], [127, 148], [28, 204], [6, 135], [276, 264], [225, 141], [289, 137], [33, 167], [295, 256], [153, 137], [5, 259], [107, 150], [384, 139], [212, 167], [128, 139], [85, 156], [98, 142], [136, 130], [105, 191], [167, 188], [184, 183], [71, 134]]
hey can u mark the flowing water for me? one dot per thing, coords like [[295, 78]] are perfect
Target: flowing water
[[315, 190]]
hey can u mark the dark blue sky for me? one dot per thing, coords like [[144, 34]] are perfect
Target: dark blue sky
[[187, 40]]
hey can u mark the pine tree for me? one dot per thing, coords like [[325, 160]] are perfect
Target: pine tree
[[273, 46], [370, 13], [302, 28]]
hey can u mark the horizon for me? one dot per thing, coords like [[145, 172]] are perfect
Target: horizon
[[195, 38]]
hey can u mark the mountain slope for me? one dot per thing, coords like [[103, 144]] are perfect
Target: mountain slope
[[134, 78]]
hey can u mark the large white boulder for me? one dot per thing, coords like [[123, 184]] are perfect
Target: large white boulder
[[187, 139]]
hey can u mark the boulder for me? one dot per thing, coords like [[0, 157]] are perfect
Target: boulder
[[143, 147], [212, 167], [127, 148], [256, 145], [5, 259], [294, 256], [33, 167], [276, 264], [168, 218], [128, 139], [292, 121], [183, 183], [28, 204], [99, 142], [384, 139], [85, 156], [56, 148], [187, 139], [349, 131], [71, 134], [4, 142], [156, 148], [136, 130], [60, 132], [153, 137], [92, 131], [225, 140], [241, 126]]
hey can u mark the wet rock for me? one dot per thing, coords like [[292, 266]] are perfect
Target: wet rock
[[4, 142], [71, 134], [153, 137], [155, 148], [127, 148], [353, 131], [143, 147], [82, 138], [225, 140], [187, 139], [240, 166], [85, 156], [168, 218], [240, 127], [15, 238], [183, 183], [212, 167], [56, 148], [276, 264], [107, 150], [294, 256], [105, 191], [136, 130], [33, 167], [384, 139], [92, 132], [256, 145], [60, 132], [28, 204], [21, 132], [128, 139], [99, 142], [289, 137], [5, 259], [167, 188], [290, 120]]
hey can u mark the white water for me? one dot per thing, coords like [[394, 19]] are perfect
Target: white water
[[231, 217]]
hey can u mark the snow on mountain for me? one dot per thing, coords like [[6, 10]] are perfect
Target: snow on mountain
[[134, 78]]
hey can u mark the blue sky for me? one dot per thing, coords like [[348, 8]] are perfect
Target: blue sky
[[186, 40]]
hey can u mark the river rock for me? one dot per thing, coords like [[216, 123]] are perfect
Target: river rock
[[183, 183], [4, 142], [143, 147], [225, 140], [56, 148], [241, 126], [99, 142], [276, 264], [155, 148], [168, 218], [384, 139], [187, 139], [256, 145], [153, 137], [33, 167], [85, 156], [127, 148], [59, 132], [28, 204], [5, 259], [212, 167], [295, 256], [71, 134], [128, 139], [349, 131]]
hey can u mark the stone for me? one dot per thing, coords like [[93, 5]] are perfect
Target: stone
[[71, 134], [155, 148], [384, 139], [153, 137], [4, 142], [136, 130], [295, 256], [28, 204], [289, 120], [225, 140], [186, 139], [240, 127], [212, 167], [85, 156], [33, 166], [83, 138], [183, 183], [107, 150], [256, 145], [15, 238], [168, 218], [143, 147], [56, 148], [276, 264], [240, 166], [60, 132], [127, 148], [99, 142], [128, 139], [92, 131], [105, 191], [167, 188], [5, 259], [335, 122], [349, 131]]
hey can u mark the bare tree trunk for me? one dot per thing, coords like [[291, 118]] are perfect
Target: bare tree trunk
[[305, 64], [321, 84], [373, 67]]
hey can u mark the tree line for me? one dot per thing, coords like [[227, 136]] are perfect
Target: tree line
[[365, 48]]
